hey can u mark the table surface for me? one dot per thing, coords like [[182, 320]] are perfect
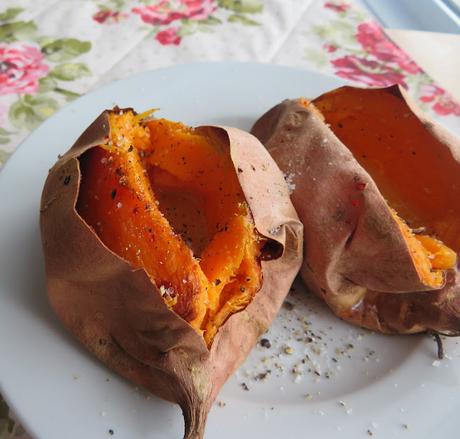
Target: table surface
[[52, 51]]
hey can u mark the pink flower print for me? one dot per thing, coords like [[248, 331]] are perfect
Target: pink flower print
[[443, 104], [373, 40], [368, 72], [169, 36], [330, 48], [106, 15], [21, 66], [165, 12], [337, 7]]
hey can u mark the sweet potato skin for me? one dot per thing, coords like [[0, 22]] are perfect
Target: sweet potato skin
[[355, 258], [119, 315]]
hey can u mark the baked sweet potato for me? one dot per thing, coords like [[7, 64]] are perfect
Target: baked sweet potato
[[168, 251], [377, 187]]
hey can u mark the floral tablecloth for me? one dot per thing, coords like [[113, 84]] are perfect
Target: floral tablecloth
[[52, 51]]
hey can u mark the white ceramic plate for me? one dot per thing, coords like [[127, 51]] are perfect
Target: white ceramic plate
[[350, 384]]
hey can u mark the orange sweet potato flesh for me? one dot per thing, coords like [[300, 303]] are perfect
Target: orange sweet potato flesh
[[406, 162], [376, 187], [404, 159], [166, 198], [152, 235]]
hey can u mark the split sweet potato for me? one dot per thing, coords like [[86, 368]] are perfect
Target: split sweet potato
[[377, 187], [168, 251]]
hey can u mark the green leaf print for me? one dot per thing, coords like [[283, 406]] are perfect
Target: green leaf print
[[68, 94], [46, 84], [211, 20], [338, 32], [242, 6], [4, 136], [29, 111], [188, 28], [4, 132], [65, 49], [10, 14], [237, 18], [317, 57], [19, 30], [44, 40], [69, 71], [117, 4]]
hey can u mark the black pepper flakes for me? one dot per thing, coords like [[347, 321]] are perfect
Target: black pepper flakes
[[245, 387], [113, 194], [261, 376], [111, 432], [288, 305], [265, 343], [217, 282], [67, 180]]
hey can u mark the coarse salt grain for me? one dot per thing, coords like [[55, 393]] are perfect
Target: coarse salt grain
[[289, 178], [274, 230]]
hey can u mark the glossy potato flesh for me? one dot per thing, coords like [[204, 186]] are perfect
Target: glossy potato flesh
[[167, 199], [406, 163]]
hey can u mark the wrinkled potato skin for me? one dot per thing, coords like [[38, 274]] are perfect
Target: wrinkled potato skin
[[119, 315], [355, 257]]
